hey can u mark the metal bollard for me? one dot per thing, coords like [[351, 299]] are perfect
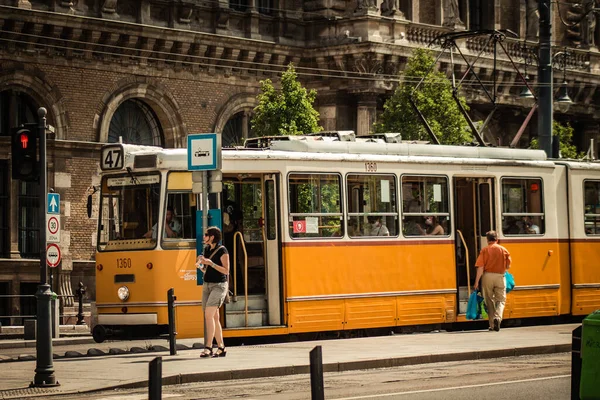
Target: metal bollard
[[80, 292], [575, 362], [317, 388], [155, 379], [172, 333]]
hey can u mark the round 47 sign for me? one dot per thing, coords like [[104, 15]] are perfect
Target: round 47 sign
[[52, 255]]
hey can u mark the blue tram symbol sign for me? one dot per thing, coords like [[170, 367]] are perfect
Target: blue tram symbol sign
[[53, 203], [204, 152]]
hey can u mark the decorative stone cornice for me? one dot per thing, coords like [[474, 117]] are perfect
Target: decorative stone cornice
[[28, 34]]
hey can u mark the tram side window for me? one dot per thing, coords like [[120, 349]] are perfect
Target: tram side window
[[522, 207], [182, 209], [372, 205], [592, 207], [315, 208], [425, 206]]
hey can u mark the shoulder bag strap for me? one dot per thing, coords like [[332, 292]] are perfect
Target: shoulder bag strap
[[214, 252]]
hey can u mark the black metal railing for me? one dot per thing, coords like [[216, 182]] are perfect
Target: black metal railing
[[18, 319]]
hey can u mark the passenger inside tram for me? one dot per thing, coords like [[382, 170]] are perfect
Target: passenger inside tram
[[413, 199], [376, 227], [529, 226], [172, 226], [511, 226], [353, 229], [432, 227]]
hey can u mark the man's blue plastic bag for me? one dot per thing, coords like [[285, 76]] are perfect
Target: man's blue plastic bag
[[472, 307], [510, 281]]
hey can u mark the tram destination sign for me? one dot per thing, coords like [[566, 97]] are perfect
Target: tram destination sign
[[204, 152], [133, 181]]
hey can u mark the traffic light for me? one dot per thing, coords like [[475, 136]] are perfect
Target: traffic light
[[24, 154]]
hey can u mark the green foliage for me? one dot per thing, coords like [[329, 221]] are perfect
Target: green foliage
[[434, 99], [564, 133], [288, 111]]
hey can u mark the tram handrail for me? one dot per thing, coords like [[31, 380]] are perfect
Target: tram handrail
[[235, 235], [462, 239]]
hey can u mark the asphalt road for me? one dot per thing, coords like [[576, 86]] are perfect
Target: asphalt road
[[527, 378]]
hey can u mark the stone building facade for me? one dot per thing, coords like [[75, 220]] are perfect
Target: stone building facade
[[153, 71]]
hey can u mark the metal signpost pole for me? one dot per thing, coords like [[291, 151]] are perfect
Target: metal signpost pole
[[44, 370], [204, 227], [204, 201], [545, 111]]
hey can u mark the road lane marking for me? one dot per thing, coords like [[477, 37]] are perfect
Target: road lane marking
[[136, 397], [373, 396]]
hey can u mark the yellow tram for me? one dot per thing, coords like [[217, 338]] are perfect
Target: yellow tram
[[335, 233]]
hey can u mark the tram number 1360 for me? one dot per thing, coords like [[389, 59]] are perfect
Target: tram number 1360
[[123, 262], [370, 167]]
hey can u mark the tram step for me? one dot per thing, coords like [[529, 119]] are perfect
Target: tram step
[[236, 319], [463, 296], [255, 302]]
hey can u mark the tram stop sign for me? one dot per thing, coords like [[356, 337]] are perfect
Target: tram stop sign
[[52, 255]]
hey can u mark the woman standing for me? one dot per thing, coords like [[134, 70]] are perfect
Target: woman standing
[[214, 264]]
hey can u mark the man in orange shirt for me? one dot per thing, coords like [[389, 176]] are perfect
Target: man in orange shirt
[[492, 263]]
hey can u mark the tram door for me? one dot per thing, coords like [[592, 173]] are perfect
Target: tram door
[[251, 235], [474, 216]]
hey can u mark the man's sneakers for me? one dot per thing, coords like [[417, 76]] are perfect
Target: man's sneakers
[[497, 325]]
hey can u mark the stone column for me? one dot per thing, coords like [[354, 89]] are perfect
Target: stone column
[[64, 283], [366, 110], [328, 111], [522, 19], [14, 220], [245, 119], [14, 198]]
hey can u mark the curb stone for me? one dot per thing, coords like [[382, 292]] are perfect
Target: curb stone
[[337, 367], [94, 352]]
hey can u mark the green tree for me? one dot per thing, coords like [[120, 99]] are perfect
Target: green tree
[[434, 99], [564, 133], [288, 111]]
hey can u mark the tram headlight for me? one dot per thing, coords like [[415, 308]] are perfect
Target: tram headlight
[[123, 293]]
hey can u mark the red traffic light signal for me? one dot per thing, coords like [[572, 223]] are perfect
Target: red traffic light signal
[[24, 139], [24, 155]]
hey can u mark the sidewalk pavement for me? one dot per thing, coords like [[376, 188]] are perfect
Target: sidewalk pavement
[[80, 375]]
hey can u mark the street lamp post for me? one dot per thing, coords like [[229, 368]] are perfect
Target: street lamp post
[[44, 367], [545, 114]]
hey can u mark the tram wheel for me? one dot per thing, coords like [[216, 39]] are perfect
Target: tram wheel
[[99, 334]]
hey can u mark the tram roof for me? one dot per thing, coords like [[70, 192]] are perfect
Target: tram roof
[[383, 146], [347, 147]]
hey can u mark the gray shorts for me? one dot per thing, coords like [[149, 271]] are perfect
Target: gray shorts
[[213, 294]]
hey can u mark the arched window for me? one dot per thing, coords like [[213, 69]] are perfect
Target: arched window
[[17, 108], [136, 123], [237, 129]]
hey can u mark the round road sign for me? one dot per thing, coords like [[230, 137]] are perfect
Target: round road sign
[[52, 255], [53, 225]]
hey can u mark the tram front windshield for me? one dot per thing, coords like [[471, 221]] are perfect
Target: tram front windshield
[[129, 212]]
